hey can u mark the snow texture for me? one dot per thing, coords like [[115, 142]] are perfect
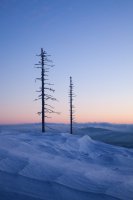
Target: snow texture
[[60, 166]]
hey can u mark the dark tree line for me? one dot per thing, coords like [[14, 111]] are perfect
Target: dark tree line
[[44, 64]]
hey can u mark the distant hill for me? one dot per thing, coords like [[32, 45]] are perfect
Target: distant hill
[[93, 129], [118, 138]]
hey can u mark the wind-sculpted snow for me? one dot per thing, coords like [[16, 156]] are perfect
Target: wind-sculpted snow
[[66, 162]]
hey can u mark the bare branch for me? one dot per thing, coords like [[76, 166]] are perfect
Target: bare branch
[[44, 65]]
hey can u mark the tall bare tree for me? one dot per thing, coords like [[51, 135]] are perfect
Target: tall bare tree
[[44, 64], [71, 95]]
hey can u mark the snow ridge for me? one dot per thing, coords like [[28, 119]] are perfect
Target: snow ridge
[[76, 162]]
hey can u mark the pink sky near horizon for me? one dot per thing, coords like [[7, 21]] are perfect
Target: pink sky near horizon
[[34, 118]]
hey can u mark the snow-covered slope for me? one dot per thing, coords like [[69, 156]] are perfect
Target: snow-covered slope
[[63, 166], [119, 138]]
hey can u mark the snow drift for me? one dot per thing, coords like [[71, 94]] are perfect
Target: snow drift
[[63, 166]]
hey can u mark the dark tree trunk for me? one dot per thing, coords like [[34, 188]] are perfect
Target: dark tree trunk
[[43, 103], [71, 106], [44, 96]]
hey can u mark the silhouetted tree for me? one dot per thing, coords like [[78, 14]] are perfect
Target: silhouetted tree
[[44, 65], [71, 95]]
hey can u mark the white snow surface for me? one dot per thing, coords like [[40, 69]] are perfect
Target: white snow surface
[[75, 162]]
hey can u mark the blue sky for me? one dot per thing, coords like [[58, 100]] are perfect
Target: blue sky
[[91, 40]]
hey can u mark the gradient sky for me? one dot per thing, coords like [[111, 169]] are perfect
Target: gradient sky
[[91, 40]]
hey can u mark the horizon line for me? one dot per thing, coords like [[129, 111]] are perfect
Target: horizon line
[[66, 123]]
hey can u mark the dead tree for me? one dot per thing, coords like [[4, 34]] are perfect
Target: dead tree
[[44, 64], [71, 95]]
